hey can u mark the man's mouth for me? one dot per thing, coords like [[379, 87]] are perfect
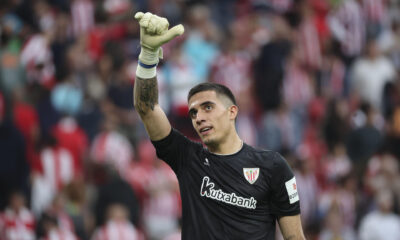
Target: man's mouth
[[205, 130]]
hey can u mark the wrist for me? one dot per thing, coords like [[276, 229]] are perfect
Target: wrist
[[146, 71], [149, 56]]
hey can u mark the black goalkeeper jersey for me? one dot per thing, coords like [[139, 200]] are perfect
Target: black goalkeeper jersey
[[237, 196]]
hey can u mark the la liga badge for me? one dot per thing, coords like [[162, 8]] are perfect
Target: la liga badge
[[251, 174]]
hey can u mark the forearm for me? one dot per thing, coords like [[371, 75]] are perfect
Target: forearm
[[146, 104], [291, 228], [145, 95]]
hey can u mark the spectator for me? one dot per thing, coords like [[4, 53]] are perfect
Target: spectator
[[330, 76], [336, 123], [17, 221], [82, 13], [26, 120], [50, 230], [55, 170], [161, 204], [37, 58], [383, 172], [271, 63], [200, 45], [393, 133], [365, 140], [347, 25], [77, 207], [307, 37], [246, 122], [115, 190], [117, 225], [381, 223], [342, 196], [60, 45], [57, 209], [70, 136], [120, 95], [108, 142], [374, 12], [14, 170], [178, 74], [297, 98], [370, 73], [308, 190], [232, 66], [277, 130], [295, 76], [334, 228], [337, 164], [12, 72]]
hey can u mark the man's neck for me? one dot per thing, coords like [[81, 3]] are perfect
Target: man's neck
[[232, 145]]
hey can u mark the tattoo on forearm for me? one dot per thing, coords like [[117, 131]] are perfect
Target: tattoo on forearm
[[145, 94]]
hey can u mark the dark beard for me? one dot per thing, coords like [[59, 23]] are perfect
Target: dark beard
[[211, 144]]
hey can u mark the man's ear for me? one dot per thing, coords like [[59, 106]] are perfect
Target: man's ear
[[233, 112]]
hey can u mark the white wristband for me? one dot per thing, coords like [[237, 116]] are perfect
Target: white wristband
[[146, 73]]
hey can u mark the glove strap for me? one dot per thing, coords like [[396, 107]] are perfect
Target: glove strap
[[148, 60], [146, 71], [146, 65]]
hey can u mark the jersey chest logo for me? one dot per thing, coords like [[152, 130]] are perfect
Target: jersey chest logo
[[251, 174], [208, 190]]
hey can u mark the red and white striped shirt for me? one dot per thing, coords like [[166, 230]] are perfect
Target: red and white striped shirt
[[64, 221], [37, 51], [374, 10], [113, 148], [82, 13], [233, 70], [164, 201], [348, 27], [333, 72], [116, 230], [57, 165], [337, 77], [73, 138], [297, 87], [17, 226], [309, 45]]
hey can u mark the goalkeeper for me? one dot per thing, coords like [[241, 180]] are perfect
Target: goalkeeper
[[229, 189]]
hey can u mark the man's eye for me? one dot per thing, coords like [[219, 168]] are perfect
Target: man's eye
[[208, 107]]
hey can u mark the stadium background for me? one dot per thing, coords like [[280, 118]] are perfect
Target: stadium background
[[317, 80]]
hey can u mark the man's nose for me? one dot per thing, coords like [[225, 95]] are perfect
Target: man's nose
[[199, 118]]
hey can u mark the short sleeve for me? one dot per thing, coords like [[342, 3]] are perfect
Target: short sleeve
[[285, 198], [174, 149]]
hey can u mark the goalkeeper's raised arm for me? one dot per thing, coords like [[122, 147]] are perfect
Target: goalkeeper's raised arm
[[154, 33]]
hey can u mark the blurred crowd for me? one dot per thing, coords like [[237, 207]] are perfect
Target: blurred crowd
[[316, 80]]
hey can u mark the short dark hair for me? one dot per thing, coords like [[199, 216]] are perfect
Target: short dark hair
[[216, 87]]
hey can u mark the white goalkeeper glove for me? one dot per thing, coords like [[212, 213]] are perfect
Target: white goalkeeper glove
[[153, 34]]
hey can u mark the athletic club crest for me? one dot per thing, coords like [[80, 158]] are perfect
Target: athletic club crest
[[251, 174]]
